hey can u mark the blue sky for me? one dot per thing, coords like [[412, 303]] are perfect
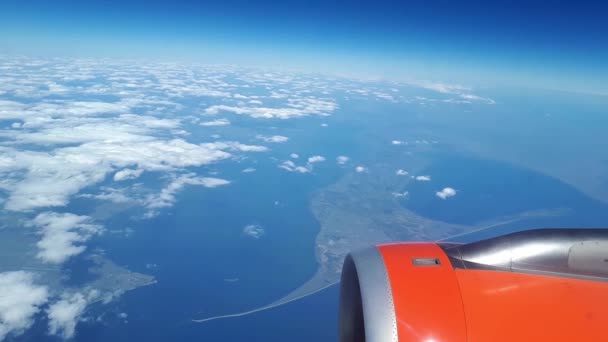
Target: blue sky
[[535, 43]]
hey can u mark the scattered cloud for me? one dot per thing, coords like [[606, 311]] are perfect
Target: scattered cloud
[[316, 159], [398, 142], [67, 170], [401, 172], [294, 156], [361, 169], [295, 107], [461, 91], [217, 122], [110, 194], [324, 125], [446, 193], [79, 143], [20, 301], [423, 178], [400, 194], [272, 139], [342, 160], [234, 146], [63, 235], [292, 167], [127, 174], [443, 87], [471, 97], [254, 231], [166, 198], [64, 314], [248, 170]]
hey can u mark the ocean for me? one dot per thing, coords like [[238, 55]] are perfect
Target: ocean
[[487, 190]]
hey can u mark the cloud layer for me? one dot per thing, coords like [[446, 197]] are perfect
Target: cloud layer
[[63, 235], [20, 300], [64, 314]]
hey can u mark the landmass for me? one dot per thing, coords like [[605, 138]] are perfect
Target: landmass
[[359, 211], [112, 280], [18, 252]]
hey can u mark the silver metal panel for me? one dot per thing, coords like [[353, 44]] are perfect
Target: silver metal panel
[[574, 253], [365, 271], [589, 257]]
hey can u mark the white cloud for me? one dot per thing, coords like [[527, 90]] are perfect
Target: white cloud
[[400, 194], [127, 174], [302, 169], [461, 91], [342, 160], [116, 129], [272, 139], [361, 169], [64, 314], [234, 146], [79, 108], [254, 231], [20, 301], [296, 107], [80, 143], [471, 97], [248, 170], [401, 172], [292, 167], [398, 142], [289, 163], [110, 194], [166, 198], [443, 87], [217, 122], [63, 235], [446, 193], [423, 178], [385, 96], [294, 156], [324, 125], [69, 169], [316, 159]]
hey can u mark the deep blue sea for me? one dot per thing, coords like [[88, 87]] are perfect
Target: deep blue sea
[[488, 189]]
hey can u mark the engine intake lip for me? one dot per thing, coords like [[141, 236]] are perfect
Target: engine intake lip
[[367, 311]]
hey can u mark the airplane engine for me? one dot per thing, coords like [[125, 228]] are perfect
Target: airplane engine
[[538, 285]]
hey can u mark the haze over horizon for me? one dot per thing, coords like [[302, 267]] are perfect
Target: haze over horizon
[[517, 43]]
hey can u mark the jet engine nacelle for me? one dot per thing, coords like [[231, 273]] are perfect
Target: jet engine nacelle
[[539, 285]]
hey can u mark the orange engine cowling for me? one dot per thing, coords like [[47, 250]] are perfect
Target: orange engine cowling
[[539, 285]]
